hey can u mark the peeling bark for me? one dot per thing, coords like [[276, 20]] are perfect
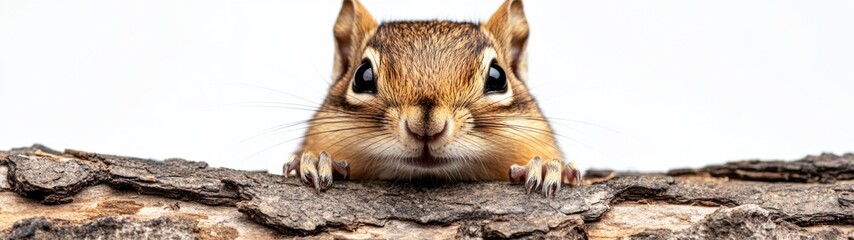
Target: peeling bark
[[824, 168], [130, 192]]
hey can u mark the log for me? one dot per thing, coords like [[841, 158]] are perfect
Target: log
[[47, 194]]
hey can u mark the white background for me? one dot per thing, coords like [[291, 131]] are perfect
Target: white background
[[640, 85]]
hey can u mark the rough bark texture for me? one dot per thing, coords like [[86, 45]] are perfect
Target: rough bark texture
[[45, 194]]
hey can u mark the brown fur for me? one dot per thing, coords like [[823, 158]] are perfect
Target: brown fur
[[430, 72]]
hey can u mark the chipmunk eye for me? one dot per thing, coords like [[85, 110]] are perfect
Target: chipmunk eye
[[496, 79], [364, 80]]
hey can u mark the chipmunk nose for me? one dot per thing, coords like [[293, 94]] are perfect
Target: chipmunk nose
[[427, 132]]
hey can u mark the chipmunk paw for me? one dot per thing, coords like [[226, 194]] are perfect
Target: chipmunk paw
[[316, 172], [549, 175]]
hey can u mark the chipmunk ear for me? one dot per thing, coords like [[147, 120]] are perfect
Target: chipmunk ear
[[353, 24], [510, 27]]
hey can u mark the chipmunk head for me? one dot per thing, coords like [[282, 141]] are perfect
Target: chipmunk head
[[430, 98]]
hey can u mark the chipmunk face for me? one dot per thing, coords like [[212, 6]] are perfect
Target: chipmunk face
[[430, 99]]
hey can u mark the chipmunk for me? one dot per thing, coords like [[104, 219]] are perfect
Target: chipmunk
[[431, 100]]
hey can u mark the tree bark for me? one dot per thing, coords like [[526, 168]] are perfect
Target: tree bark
[[46, 194]]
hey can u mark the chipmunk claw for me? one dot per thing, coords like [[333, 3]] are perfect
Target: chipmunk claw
[[534, 177], [549, 175], [317, 172], [571, 175]]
